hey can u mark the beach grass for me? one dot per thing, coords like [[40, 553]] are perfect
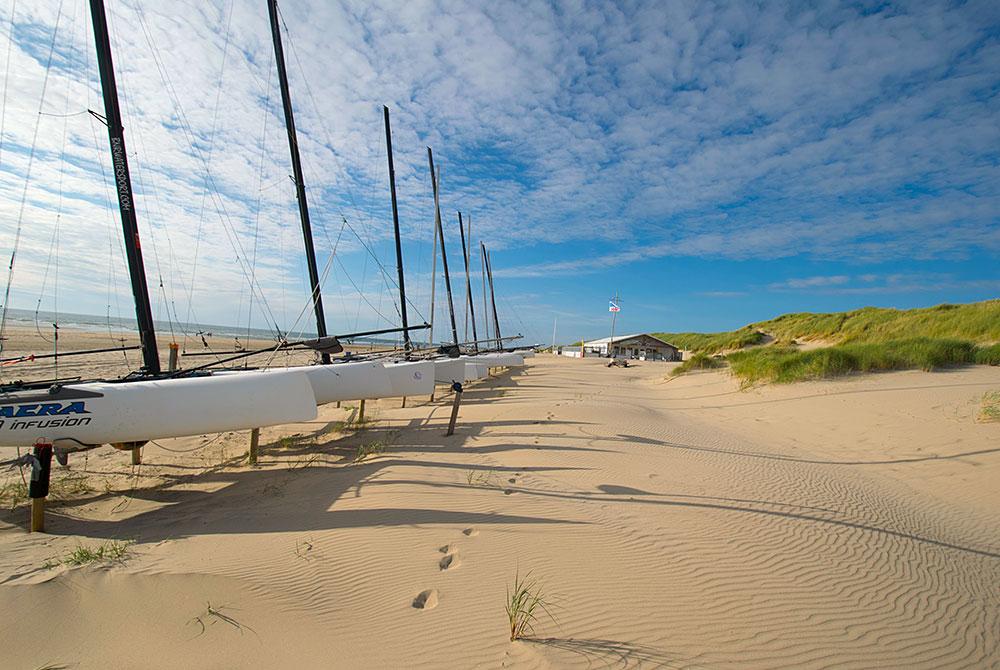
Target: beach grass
[[786, 364], [113, 551], [525, 604], [977, 322], [989, 408], [699, 361], [713, 343]]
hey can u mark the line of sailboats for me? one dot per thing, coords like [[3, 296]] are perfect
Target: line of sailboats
[[152, 403]]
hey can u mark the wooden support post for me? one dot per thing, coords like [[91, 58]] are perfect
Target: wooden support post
[[38, 487], [172, 364], [432, 396], [338, 404], [454, 408], [404, 402], [37, 515], [136, 455], [254, 445], [361, 412]]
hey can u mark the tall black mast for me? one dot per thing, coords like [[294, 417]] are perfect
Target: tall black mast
[[493, 298], [123, 185], [407, 345], [300, 184], [444, 255], [468, 284]]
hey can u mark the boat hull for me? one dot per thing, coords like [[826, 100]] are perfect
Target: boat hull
[[411, 377], [104, 412]]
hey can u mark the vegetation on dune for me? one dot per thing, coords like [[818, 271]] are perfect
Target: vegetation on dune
[[787, 364], [698, 362], [977, 322], [713, 343], [989, 409], [525, 604]]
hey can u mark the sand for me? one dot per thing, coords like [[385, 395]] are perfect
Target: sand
[[679, 523]]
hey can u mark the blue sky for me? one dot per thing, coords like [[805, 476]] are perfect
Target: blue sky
[[716, 164]]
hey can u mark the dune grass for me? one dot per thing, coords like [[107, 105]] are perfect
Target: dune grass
[[786, 364], [977, 322], [713, 343], [989, 408], [114, 551], [525, 604], [699, 361]]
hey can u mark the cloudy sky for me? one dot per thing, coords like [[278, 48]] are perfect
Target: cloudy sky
[[714, 163]]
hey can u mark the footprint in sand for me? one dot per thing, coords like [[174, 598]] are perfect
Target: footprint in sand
[[426, 600], [470, 532], [449, 562]]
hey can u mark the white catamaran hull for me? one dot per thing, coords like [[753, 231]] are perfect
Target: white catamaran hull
[[102, 412], [462, 370], [342, 381], [411, 377]]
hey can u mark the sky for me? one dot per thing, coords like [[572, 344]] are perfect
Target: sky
[[713, 164]]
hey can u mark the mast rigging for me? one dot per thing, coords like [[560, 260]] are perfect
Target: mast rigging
[[407, 345], [123, 187], [300, 185]]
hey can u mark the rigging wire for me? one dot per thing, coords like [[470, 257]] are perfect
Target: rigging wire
[[27, 177], [220, 206], [54, 242]]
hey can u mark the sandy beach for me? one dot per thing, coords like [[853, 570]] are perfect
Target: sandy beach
[[672, 522]]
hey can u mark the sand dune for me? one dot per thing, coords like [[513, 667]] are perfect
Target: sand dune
[[676, 523]]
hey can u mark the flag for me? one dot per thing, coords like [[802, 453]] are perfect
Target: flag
[[612, 307]]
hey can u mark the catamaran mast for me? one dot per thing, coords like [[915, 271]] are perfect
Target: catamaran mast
[[123, 185], [486, 304], [444, 254], [407, 345], [300, 184], [493, 298], [468, 282]]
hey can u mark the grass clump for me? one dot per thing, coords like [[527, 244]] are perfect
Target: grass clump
[[480, 478], [525, 604], [989, 409], [698, 362], [114, 551], [367, 449], [786, 364]]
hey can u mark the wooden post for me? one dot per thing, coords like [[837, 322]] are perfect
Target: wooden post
[[338, 404], [361, 412], [404, 402], [454, 408], [38, 487], [172, 364], [254, 445], [136, 455]]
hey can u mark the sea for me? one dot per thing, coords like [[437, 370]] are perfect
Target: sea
[[103, 324]]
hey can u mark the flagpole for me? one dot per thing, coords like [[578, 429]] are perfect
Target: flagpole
[[614, 315]]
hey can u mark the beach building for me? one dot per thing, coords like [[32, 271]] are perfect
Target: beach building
[[643, 347]]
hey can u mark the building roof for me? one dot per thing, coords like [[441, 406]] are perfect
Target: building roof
[[621, 338]]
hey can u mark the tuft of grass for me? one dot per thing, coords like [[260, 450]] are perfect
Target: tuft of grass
[[113, 551], [214, 615], [13, 492], [989, 408], [785, 364], [525, 604], [698, 362], [989, 355], [480, 478], [367, 449]]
